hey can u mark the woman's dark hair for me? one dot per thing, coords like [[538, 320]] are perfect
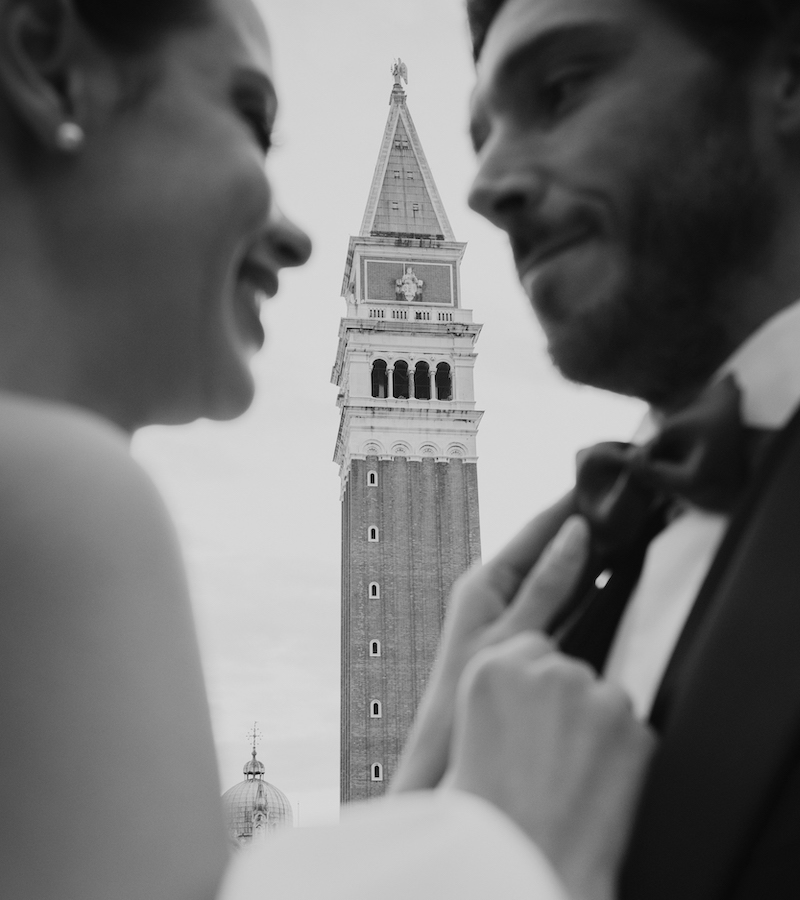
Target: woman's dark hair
[[137, 25], [731, 29]]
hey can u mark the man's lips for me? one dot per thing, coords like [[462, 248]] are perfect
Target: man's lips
[[545, 250]]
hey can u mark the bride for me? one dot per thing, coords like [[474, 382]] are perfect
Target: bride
[[139, 238]]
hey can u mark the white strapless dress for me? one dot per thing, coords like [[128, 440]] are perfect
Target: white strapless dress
[[432, 845]]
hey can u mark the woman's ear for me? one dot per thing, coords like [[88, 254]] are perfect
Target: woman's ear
[[39, 75]]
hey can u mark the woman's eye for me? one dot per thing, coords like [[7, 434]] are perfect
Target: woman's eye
[[263, 133], [260, 127]]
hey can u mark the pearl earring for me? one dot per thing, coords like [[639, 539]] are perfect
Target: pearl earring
[[69, 137]]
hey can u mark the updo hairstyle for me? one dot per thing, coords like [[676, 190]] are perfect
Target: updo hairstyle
[[134, 26]]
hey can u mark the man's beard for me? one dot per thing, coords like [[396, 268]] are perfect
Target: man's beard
[[702, 215]]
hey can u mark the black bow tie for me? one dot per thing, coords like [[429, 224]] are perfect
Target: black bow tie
[[702, 455]]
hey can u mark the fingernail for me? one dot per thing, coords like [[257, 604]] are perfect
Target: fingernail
[[573, 534]]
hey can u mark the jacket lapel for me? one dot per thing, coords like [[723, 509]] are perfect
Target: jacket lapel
[[731, 727]]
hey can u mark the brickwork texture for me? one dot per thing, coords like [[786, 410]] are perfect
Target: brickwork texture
[[426, 513]]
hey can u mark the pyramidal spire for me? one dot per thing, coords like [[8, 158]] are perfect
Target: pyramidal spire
[[403, 199]]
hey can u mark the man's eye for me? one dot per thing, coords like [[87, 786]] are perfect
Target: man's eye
[[560, 92]]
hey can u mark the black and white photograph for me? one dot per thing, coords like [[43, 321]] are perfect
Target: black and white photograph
[[400, 449]]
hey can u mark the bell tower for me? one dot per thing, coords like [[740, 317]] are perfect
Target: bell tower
[[406, 450]]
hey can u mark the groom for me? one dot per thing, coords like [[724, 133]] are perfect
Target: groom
[[644, 158]]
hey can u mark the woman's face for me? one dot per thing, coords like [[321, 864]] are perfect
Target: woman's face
[[174, 237]]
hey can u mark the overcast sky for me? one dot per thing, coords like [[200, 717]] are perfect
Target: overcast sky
[[257, 501]]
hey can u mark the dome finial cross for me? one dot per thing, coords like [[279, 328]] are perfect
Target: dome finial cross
[[255, 736]]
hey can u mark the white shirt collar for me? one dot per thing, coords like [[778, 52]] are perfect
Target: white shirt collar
[[766, 368]]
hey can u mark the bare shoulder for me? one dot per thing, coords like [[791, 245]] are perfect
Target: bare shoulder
[[83, 530], [72, 495], [99, 670], [57, 460], [80, 521]]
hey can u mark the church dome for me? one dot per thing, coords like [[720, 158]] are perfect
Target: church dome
[[254, 808]]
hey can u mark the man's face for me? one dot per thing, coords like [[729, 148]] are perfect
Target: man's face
[[615, 151]]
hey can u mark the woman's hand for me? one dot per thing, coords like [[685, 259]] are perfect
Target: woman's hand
[[518, 591], [558, 750]]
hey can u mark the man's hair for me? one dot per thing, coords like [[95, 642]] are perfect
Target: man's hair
[[732, 29], [133, 26]]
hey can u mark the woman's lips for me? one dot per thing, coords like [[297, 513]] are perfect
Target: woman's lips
[[262, 277], [257, 282], [249, 298]]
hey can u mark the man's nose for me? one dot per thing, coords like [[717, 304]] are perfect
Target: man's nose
[[288, 243], [506, 186]]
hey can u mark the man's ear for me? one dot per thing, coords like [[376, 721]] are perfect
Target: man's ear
[[787, 84], [38, 76]]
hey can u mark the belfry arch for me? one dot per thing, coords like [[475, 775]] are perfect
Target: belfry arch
[[444, 382]]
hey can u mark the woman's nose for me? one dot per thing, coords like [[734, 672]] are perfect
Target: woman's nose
[[289, 244]]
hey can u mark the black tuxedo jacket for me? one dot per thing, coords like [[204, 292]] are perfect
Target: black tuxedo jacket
[[720, 810]]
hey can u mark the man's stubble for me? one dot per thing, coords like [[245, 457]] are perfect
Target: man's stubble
[[700, 219]]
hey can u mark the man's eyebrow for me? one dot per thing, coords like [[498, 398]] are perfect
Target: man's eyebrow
[[583, 38], [587, 37]]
